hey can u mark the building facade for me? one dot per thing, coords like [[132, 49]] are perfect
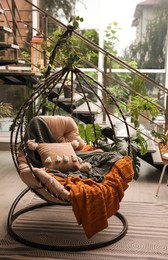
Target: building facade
[[144, 12]]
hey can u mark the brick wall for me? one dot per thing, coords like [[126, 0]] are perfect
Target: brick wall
[[25, 11]]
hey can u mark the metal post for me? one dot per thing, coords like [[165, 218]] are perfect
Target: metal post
[[105, 85], [14, 28]]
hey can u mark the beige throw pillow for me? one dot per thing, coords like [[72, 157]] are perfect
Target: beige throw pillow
[[58, 156]]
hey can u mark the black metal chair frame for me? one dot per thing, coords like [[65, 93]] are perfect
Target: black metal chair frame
[[13, 216], [44, 91]]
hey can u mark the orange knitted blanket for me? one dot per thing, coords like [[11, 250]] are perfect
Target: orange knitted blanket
[[93, 203]]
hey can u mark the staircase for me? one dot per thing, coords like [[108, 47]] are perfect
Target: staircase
[[11, 75], [9, 52], [108, 75]]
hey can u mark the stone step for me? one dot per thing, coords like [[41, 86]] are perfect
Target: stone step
[[7, 62], [5, 29], [5, 46], [87, 108]]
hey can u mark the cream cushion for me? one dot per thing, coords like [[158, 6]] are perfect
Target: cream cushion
[[64, 129], [58, 156]]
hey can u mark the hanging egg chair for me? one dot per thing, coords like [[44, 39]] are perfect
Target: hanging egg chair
[[55, 161]]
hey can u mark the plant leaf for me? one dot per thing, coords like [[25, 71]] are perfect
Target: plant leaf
[[142, 143]]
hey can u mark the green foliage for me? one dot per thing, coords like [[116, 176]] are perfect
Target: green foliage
[[160, 136], [141, 142], [134, 153], [59, 9], [140, 101], [138, 85], [139, 104], [27, 57], [117, 92], [111, 38], [90, 133], [75, 47], [88, 52], [68, 52], [74, 21], [49, 107], [6, 109]]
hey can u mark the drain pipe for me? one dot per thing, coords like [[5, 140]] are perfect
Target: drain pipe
[[35, 18]]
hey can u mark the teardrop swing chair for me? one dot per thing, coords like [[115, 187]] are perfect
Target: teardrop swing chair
[[62, 170]]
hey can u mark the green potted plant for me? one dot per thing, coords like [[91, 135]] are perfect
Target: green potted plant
[[5, 109], [120, 95], [143, 108], [89, 133]]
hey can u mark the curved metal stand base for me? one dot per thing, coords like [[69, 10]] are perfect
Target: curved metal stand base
[[13, 216]]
